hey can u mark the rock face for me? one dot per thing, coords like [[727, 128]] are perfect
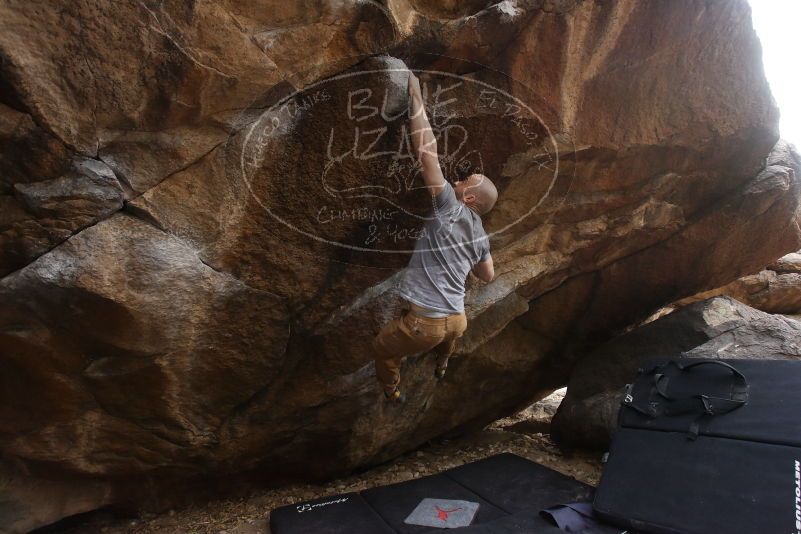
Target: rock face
[[768, 290], [776, 289], [204, 208], [720, 327]]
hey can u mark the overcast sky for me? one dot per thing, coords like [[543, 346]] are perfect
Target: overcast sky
[[778, 24]]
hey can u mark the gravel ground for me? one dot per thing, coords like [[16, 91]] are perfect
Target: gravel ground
[[524, 434]]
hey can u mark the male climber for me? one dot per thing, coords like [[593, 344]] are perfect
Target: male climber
[[452, 244]]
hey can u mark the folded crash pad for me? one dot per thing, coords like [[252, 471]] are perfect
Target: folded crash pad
[[510, 492], [705, 447]]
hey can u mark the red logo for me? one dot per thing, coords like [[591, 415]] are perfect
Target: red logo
[[443, 514]]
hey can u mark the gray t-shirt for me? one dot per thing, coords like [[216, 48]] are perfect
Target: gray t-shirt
[[452, 242]]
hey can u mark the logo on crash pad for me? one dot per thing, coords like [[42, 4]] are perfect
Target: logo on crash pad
[[307, 507], [443, 513]]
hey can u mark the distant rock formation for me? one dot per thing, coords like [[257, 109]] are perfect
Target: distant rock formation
[[775, 289], [204, 207]]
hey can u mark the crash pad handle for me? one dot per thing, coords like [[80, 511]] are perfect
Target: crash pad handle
[[661, 381], [711, 405]]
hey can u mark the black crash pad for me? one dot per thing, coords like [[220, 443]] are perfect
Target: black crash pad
[[771, 414], [336, 514], [740, 475], [511, 491], [707, 485], [394, 502]]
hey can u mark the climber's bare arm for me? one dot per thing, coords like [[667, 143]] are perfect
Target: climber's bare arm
[[484, 270], [423, 140]]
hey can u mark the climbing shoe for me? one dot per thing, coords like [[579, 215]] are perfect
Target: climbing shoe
[[439, 372], [442, 365], [395, 396]]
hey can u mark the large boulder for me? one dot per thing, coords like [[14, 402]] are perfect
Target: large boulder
[[205, 207], [776, 288], [719, 327]]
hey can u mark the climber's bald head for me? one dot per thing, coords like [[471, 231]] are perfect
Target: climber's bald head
[[478, 192]]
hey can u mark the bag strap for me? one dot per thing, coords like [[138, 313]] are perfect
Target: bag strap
[[708, 405], [660, 378]]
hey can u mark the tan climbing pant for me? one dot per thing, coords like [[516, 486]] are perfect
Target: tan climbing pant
[[413, 333]]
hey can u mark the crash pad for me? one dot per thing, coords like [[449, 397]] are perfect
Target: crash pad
[[510, 491]]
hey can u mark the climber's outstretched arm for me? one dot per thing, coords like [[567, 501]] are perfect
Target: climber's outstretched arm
[[423, 140]]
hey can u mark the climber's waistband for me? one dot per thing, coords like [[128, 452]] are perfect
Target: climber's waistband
[[427, 312]]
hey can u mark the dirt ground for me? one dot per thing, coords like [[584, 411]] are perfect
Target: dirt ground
[[524, 434]]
